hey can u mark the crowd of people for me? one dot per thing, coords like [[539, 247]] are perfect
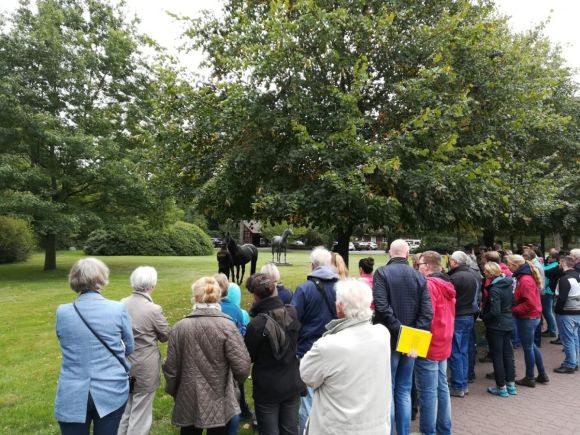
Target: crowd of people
[[323, 358]]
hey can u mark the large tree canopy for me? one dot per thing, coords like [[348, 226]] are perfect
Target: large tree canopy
[[73, 85], [403, 114]]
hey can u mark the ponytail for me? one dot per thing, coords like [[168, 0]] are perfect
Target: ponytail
[[536, 274]]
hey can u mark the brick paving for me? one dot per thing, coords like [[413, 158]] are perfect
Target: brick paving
[[551, 409]]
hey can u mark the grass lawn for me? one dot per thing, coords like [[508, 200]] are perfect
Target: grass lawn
[[29, 351]]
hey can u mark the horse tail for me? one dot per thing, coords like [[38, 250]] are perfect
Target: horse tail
[[254, 261]]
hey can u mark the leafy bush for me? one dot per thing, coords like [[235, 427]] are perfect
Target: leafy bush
[[16, 240], [180, 238]]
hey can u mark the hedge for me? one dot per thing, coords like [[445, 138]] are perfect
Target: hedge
[[16, 240], [181, 239]]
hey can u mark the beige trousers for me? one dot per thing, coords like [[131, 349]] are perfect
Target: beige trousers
[[138, 414]]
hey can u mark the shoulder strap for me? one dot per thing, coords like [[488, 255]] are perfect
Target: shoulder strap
[[100, 339], [322, 290]]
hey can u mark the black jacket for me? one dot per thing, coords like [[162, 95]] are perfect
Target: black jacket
[[401, 297], [568, 299], [466, 284], [275, 380], [497, 312]]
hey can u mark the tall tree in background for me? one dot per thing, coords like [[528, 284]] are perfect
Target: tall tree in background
[[72, 87], [413, 115]]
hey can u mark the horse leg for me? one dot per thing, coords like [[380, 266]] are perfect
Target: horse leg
[[243, 267], [272, 252]]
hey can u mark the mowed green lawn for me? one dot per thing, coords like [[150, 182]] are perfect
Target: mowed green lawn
[[29, 351]]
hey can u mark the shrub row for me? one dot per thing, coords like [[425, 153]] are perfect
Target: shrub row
[[180, 238]]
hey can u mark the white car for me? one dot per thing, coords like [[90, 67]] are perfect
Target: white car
[[297, 243]]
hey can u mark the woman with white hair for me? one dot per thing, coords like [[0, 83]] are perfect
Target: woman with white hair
[[95, 337], [149, 327], [349, 369], [206, 360], [272, 271]]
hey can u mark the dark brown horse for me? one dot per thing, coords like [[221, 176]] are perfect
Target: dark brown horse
[[241, 255]]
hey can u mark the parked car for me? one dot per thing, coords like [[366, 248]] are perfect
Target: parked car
[[351, 246], [297, 243]]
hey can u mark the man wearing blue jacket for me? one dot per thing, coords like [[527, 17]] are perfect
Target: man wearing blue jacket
[[315, 302], [401, 297]]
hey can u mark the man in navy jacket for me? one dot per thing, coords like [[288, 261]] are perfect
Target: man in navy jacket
[[315, 302], [401, 297]]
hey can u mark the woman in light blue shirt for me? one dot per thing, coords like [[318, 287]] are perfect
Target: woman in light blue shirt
[[93, 385]]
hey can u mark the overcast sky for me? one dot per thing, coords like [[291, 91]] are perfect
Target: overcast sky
[[563, 27]]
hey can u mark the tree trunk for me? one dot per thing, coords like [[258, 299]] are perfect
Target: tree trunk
[[342, 247], [50, 252], [488, 237], [566, 241], [543, 244], [512, 242]]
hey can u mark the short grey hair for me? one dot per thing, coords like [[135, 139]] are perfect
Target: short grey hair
[[143, 279], [460, 257], [399, 248], [272, 271], [576, 254], [88, 274], [320, 257], [356, 297]]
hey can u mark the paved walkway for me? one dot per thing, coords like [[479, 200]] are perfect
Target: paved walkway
[[548, 409]]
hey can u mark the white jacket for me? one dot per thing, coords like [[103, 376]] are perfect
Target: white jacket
[[350, 371]]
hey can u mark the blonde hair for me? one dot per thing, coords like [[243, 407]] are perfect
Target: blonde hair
[[88, 274], [206, 290], [340, 265], [519, 261], [493, 268]]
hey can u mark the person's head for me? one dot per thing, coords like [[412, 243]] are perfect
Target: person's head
[[320, 257], [261, 285], [554, 256], [338, 263], [144, 279], [568, 262], [366, 265], [492, 270], [272, 271], [575, 253], [399, 248], [490, 256], [417, 260], [206, 290], [458, 258], [353, 299], [430, 263], [514, 262], [223, 282], [88, 274]]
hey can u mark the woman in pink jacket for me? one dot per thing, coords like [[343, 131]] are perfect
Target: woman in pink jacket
[[527, 310]]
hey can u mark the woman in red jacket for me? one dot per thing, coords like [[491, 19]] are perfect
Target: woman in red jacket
[[527, 310]]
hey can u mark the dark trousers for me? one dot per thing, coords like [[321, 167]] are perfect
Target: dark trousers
[[192, 430], [278, 418], [106, 425], [502, 355]]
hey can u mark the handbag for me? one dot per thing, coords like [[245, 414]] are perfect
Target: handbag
[[131, 379]]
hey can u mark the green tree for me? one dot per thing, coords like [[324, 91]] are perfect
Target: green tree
[[409, 115], [73, 82]]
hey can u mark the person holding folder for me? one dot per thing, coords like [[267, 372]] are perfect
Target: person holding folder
[[401, 298]]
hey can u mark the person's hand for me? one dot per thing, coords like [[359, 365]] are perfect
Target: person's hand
[[412, 353]]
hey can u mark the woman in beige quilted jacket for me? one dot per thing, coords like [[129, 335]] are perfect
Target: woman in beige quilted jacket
[[206, 360]]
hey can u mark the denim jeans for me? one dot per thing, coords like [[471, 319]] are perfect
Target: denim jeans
[[278, 418], [516, 334], [305, 407], [401, 380], [434, 400], [532, 355], [548, 312], [569, 329], [106, 425], [459, 359], [472, 355], [502, 355]]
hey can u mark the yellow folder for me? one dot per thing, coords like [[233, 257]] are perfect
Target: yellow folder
[[413, 338]]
